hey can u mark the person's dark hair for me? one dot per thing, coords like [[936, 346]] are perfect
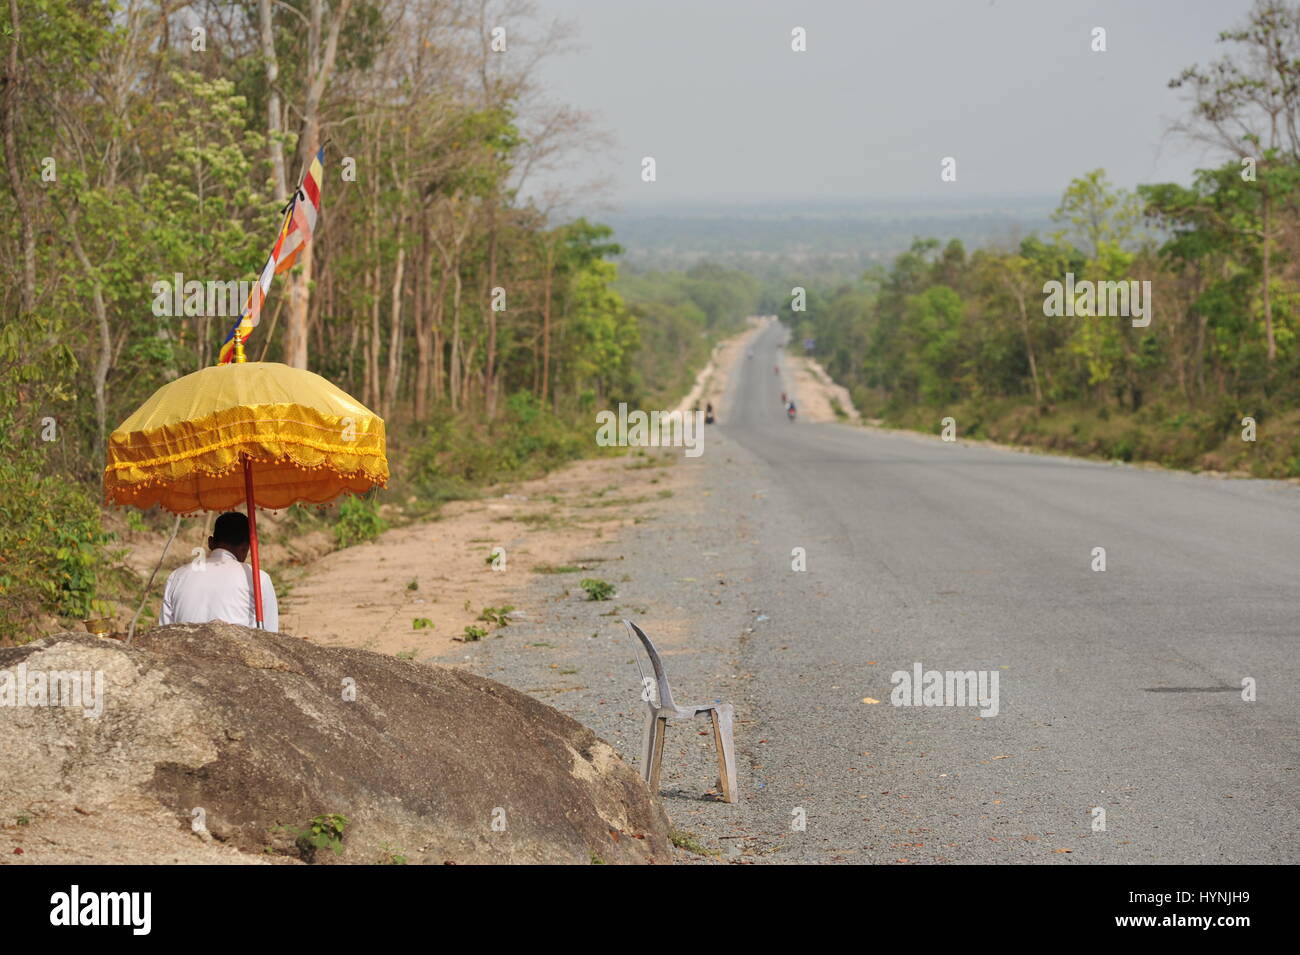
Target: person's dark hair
[[231, 528]]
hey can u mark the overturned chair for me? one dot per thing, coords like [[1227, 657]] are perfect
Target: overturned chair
[[661, 709]]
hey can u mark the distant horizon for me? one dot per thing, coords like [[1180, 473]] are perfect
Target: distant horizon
[[822, 203], [815, 237]]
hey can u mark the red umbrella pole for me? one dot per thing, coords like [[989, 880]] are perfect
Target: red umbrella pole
[[252, 541]]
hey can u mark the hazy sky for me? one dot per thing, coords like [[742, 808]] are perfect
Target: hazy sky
[[1010, 88]]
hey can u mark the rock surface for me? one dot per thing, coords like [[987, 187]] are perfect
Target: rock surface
[[427, 763]]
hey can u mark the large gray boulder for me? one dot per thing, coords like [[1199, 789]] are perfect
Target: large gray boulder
[[260, 733]]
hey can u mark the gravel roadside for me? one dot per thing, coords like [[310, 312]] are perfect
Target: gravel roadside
[[686, 576]]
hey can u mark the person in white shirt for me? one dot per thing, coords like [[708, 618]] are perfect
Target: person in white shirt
[[220, 586]]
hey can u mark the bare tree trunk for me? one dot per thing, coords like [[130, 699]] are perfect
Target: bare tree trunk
[[365, 366], [352, 356], [316, 308], [1179, 349], [1202, 321], [420, 317], [274, 118], [295, 326], [427, 309], [1029, 347], [439, 371], [489, 366], [537, 365], [546, 321], [421, 410], [373, 276], [395, 331], [374, 338], [436, 309], [321, 66], [1266, 213], [468, 377], [13, 162], [455, 342], [105, 356]]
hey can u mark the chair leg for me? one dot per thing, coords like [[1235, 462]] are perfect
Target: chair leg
[[725, 744], [652, 749]]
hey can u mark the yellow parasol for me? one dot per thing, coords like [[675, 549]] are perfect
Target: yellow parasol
[[260, 432]]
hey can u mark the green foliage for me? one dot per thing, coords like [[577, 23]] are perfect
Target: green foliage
[[51, 538], [323, 832], [358, 521], [497, 615], [597, 589], [690, 842], [680, 316], [1097, 215], [451, 456], [389, 855], [473, 634], [421, 623]]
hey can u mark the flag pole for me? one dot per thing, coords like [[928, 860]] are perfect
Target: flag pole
[[274, 266], [252, 514], [252, 541], [237, 356]]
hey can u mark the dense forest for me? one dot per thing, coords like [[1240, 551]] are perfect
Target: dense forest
[[147, 143], [946, 332]]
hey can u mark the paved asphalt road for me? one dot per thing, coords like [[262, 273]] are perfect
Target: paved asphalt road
[[1119, 689]]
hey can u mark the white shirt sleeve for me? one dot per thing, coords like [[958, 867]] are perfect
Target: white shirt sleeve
[[270, 606], [168, 614]]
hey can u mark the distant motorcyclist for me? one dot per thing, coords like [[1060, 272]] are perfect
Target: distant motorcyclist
[[790, 410], [708, 414]]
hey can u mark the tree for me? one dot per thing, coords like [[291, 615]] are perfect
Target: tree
[[1248, 106], [1099, 214]]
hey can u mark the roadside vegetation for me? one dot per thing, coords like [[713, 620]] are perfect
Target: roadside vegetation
[[485, 328], [946, 332]]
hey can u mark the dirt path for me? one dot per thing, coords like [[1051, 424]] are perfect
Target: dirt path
[[414, 590], [815, 395], [711, 383]]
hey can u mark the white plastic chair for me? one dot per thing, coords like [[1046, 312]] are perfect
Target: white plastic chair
[[662, 709]]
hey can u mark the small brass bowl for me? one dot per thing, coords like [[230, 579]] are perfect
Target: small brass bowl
[[99, 626]]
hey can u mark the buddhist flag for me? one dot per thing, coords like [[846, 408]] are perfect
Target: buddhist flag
[[306, 207], [296, 230]]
